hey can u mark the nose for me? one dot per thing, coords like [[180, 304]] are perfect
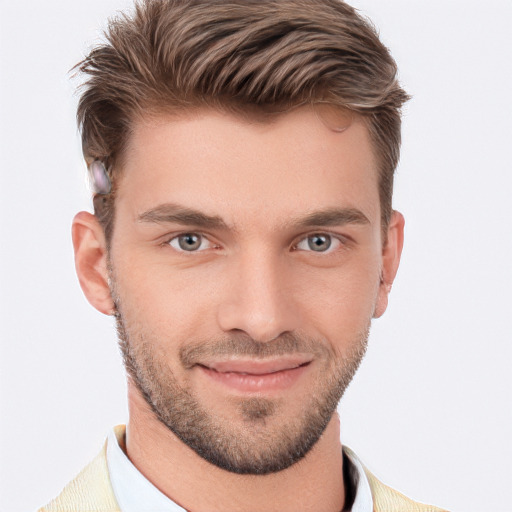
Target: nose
[[258, 299]]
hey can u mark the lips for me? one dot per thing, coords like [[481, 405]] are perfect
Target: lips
[[248, 376], [255, 367]]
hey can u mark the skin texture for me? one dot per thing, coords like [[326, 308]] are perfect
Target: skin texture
[[255, 290]]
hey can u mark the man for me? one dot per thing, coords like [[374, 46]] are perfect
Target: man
[[242, 155]]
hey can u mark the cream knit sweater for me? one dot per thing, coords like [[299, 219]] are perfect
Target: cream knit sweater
[[91, 491]]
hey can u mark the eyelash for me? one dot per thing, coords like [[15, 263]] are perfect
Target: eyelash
[[336, 240]]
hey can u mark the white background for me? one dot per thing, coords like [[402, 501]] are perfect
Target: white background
[[430, 410]]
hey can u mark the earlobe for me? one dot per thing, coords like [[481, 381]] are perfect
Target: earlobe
[[391, 253], [91, 261]]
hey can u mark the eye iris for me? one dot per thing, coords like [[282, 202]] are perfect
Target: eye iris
[[189, 242], [319, 243]]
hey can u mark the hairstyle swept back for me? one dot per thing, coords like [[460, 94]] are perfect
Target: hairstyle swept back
[[244, 56]]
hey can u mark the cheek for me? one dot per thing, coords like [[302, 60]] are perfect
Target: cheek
[[163, 299], [341, 303]]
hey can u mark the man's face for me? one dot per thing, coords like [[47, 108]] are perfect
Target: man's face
[[245, 267]]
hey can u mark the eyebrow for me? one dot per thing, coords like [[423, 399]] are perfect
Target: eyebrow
[[173, 213], [331, 217]]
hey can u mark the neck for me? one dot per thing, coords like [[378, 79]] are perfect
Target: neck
[[314, 483]]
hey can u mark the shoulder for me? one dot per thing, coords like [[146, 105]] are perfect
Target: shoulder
[[90, 491], [386, 499]]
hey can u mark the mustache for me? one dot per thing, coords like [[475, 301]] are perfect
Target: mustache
[[243, 345]]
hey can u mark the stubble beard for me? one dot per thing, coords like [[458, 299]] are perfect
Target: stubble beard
[[258, 444]]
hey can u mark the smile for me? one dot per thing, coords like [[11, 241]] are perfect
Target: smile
[[256, 376]]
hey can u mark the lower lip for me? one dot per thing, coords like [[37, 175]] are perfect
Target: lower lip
[[257, 383]]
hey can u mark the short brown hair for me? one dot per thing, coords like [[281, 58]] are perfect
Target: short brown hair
[[263, 56]]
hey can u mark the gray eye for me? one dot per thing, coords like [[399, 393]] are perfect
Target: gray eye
[[319, 243], [189, 241]]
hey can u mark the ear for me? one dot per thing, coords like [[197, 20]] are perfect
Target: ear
[[391, 253], [91, 261]]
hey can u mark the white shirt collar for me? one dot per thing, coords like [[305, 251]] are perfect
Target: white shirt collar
[[135, 493], [363, 501]]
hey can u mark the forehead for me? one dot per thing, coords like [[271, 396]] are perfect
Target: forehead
[[249, 169]]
